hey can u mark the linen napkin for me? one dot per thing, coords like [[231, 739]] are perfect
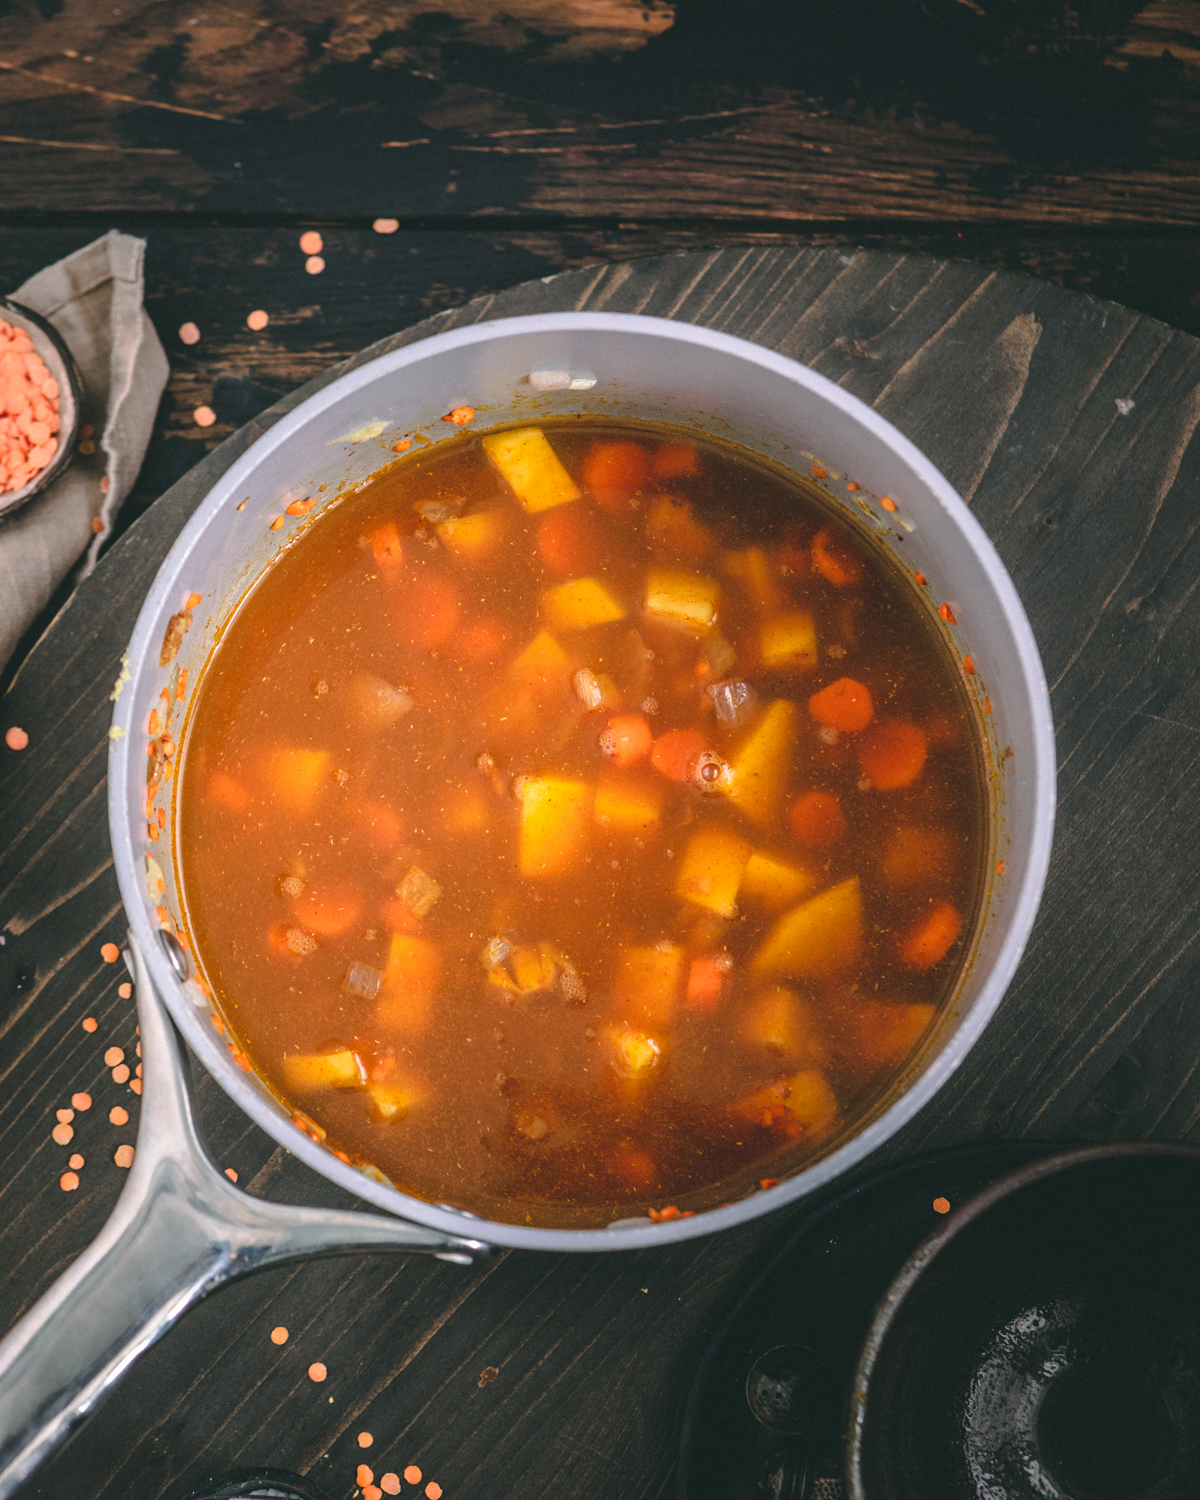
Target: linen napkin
[[94, 299]]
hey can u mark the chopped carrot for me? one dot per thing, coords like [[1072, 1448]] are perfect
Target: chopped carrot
[[330, 910], [634, 1166], [227, 792], [428, 610], [932, 938], [380, 825], [793, 556], [568, 540], [892, 753], [675, 460], [399, 917], [707, 978], [615, 472], [627, 739], [816, 818], [844, 704], [676, 752], [942, 730], [484, 642], [386, 546], [835, 560]]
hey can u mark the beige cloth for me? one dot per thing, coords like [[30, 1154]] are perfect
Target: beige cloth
[[94, 299]]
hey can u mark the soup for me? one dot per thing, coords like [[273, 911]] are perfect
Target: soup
[[577, 822]]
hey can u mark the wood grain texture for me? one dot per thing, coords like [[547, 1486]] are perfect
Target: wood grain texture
[[871, 110], [1011, 385]]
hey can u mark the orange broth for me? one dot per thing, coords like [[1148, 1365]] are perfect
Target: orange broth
[[576, 820]]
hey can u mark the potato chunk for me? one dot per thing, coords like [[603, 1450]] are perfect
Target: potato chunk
[[542, 664], [752, 568], [410, 980], [555, 818], [327, 1070], [296, 776], [475, 539], [711, 870], [781, 1022], [819, 937], [633, 1054], [803, 1104], [788, 642], [580, 604], [648, 981], [771, 884], [393, 1099], [628, 804], [678, 598], [525, 458], [757, 775]]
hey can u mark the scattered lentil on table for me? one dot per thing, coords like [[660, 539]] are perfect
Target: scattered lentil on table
[[123, 1156], [204, 416], [279, 1335], [189, 333], [257, 320], [311, 242], [317, 1371], [16, 739]]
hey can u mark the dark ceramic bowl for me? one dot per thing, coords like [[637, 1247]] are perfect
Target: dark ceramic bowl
[[1044, 1344], [50, 344]]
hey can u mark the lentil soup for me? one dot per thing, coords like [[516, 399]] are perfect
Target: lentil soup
[[578, 821]]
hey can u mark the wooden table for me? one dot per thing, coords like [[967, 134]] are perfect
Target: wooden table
[[533, 158]]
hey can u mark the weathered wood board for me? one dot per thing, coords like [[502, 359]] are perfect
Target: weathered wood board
[[1012, 386]]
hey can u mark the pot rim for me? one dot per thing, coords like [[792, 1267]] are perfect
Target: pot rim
[[640, 1234]]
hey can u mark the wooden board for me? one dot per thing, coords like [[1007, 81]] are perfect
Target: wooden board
[[862, 112], [1012, 386]]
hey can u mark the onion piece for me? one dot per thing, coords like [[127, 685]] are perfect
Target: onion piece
[[363, 980]]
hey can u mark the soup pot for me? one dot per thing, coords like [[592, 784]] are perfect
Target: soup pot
[[180, 1228]]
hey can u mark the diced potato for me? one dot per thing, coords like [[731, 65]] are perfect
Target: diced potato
[[525, 458], [410, 980], [752, 568], [580, 604], [595, 689], [885, 1032], [685, 599], [788, 641], [821, 936], [671, 527], [555, 819], [531, 967], [781, 1022], [757, 775], [920, 857], [475, 539], [327, 1070], [633, 1054], [803, 1104], [419, 892], [628, 804], [393, 1099], [543, 663], [648, 981], [772, 884], [297, 776], [711, 869]]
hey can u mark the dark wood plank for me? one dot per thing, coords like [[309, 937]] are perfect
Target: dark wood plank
[[768, 113], [1011, 385]]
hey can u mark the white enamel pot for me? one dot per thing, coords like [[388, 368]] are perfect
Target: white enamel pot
[[180, 1227]]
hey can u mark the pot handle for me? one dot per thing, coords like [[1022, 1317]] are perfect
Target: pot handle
[[179, 1229]]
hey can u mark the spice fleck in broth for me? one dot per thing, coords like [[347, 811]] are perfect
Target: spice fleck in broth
[[577, 821]]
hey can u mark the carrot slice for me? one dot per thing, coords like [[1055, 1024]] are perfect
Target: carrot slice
[[932, 938], [429, 610], [627, 739], [329, 911], [675, 752], [892, 753], [844, 704], [615, 472], [379, 825], [835, 560], [816, 818], [706, 981], [482, 642], [567, 539], [222, 788], [386, 546], [675, 460]]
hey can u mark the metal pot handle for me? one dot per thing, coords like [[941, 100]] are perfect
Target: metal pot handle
[[179, 1229]]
